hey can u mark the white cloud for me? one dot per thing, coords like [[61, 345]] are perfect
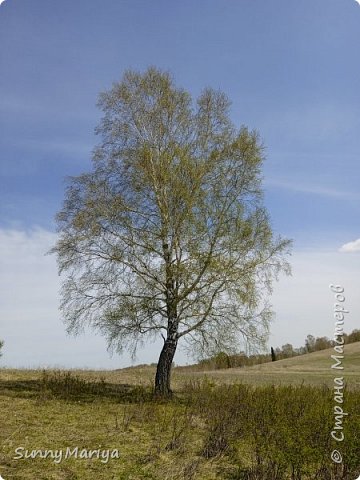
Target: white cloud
[[35, 336], [351, 247], [30, 322], [304, 303]]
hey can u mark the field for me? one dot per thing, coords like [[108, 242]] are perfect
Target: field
[[312, 369], [271, 421]]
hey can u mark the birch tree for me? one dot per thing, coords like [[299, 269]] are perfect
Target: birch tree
[[167, 235]]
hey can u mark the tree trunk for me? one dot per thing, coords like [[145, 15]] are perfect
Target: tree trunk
[[163, 371]]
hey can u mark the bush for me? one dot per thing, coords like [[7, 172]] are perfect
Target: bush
[[277, 433]]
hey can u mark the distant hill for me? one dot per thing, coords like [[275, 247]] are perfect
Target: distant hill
[[311, 368], [316, 361]]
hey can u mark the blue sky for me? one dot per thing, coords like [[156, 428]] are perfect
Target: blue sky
[[291, 70]]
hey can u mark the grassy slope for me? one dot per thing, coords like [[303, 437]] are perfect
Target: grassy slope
[[314, 369]]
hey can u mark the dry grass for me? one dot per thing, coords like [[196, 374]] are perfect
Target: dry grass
[[311, 369], [115, 410], [150, 436]]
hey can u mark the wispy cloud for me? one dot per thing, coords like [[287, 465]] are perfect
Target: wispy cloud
[[351, 247], [311, 189]]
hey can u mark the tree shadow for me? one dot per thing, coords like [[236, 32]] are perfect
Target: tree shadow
[[65, 386]]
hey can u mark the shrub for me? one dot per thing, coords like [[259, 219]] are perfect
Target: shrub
[[277, 433]]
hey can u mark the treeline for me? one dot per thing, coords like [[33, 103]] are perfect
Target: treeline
[[312, 344]]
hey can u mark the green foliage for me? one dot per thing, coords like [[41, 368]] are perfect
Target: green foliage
[[1, 346]]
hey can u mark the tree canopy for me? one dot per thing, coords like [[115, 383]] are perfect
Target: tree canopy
[[168, 234]]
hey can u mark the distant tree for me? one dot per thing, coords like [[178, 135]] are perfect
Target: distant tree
[[222, 360], [273, 355], [278, 353], [287, 350], [239, 360], [354, 336], [168, 234], [300, 350], [322, 343], [1, 346], [310, 343]]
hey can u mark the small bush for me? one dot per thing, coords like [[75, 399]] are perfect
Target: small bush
[[277, 433]]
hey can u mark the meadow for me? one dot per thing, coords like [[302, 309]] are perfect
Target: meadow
[[268, 422]]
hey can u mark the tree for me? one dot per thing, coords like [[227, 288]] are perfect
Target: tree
[[354, 336], [1, 346], [310, 343], [322, 343], [273, 355], [287, 350], [168, 234], [222, 360]]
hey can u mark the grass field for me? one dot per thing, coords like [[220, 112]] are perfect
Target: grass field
[[193, 436], [311, 369]]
